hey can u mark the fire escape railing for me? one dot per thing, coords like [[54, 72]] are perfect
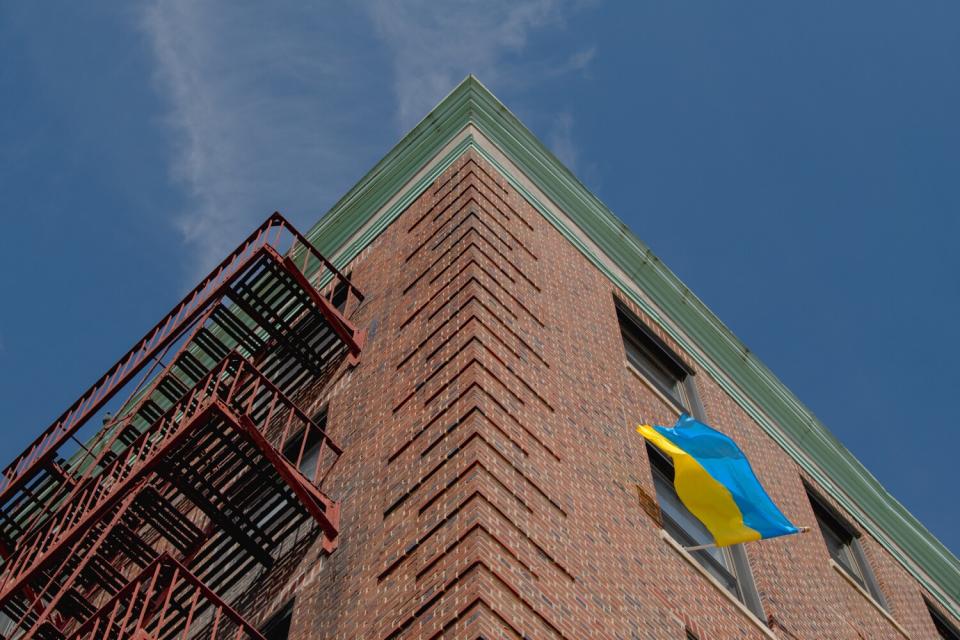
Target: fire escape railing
[[42, 473], [40, 453], [153, 604], [203, 464]]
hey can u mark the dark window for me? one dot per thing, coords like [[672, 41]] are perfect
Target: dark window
[[945, 630], [303, 449], [278, 627], [729, 565], [841, 540], [653, 360], [665, 371], [686, 529], [340, 294]]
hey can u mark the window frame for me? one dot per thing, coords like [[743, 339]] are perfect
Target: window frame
[[848, 535], [283, 613], [635, 333], [314, 442], [663, 469], [340, 294], [684, 400], [945, 628]]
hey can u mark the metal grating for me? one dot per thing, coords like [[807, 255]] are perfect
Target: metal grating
[[198, 476]]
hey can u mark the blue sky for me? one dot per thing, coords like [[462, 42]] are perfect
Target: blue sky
[[796, 164]]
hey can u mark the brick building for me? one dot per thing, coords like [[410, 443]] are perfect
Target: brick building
[[435, 439]]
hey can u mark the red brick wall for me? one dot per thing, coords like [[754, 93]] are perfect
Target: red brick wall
[[489, 481]]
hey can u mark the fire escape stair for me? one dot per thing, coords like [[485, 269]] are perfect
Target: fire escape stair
[[195, 479]]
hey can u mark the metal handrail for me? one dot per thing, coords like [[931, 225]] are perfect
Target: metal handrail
[[145, 603], [234, 382], [41, 451]]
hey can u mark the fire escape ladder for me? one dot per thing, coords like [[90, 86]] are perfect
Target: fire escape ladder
[[223, 462], [165, 601], [255, 273], [194, 487], [48, 598]]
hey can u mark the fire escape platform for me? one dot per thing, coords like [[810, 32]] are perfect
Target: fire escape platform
[[208, 465]]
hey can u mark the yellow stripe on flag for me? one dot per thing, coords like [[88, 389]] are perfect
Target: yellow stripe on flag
[[708, 500]]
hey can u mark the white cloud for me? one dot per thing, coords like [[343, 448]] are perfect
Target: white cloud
[[435, 44], [580, 60], [560, 139], [281, 105], [261, 111]]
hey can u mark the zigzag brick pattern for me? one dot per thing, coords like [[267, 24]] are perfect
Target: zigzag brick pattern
[[492, 486], [471, 467]]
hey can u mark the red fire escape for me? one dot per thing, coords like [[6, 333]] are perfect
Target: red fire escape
[[154, 522]]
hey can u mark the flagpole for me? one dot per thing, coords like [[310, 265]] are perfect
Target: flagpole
[[709, 545]]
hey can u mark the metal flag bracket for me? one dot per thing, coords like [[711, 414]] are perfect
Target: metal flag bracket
[[710, 545]]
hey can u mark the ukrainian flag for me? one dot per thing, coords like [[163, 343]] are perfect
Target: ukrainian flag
[[716, 483]]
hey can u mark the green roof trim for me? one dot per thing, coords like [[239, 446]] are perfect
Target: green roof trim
[[726, 359]]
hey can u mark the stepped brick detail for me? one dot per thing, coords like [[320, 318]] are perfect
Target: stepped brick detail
[[470, 472], [491, 483]]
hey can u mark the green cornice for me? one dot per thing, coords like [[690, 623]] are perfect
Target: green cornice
[[698, 330]]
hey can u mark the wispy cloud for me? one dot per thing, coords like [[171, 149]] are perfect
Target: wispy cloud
[[560, 139], [262, 104], [282, 105], [578, 61], [434, 45]]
